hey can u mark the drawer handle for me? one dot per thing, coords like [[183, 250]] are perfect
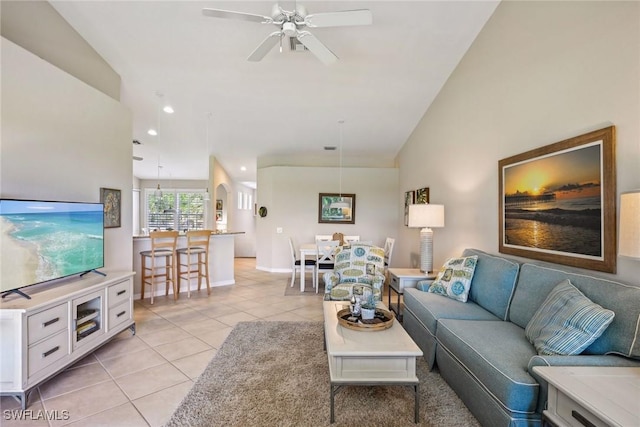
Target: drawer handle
[[50, 352], [120, 314], [50, 322], [122, 292], [585, 422]]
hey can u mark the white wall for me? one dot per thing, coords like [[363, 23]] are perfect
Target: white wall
[[245, 220], [38, 27], [538, 73], [63, 140], [290, 195]]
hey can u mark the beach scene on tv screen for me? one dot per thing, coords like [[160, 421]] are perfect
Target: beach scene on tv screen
[[42, 241]]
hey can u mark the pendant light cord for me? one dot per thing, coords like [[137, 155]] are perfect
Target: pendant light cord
[[341, 123]]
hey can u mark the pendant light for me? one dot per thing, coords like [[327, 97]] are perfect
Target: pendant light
[[155, 132], [340, 203], [206, 196], [158, 191]]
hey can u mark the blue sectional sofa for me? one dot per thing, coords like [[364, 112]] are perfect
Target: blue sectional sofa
[[480, 347]]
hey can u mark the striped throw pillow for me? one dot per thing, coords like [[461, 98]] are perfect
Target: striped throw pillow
[[567, 322]]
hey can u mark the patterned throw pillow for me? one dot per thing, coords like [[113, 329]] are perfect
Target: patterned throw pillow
[[454, 278], [567, 322]]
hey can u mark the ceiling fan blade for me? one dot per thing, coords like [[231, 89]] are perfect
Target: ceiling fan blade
[[317, 48], [264, 48], [339, 19], [228, 14]]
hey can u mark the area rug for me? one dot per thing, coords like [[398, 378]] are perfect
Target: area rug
[[276, 374], [308, 287]]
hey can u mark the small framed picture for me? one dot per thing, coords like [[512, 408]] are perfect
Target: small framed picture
[[336, 208], [409, 199], [422, 195], [111, 199]]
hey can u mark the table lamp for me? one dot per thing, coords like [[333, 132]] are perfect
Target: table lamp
[[629, 239], [426, 216]]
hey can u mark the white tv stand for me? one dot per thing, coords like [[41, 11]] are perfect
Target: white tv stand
[[61, 323]]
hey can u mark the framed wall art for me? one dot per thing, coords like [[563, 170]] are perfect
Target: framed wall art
[[334, 208], [558, 202], [422, 195], [111, 199], [409, 199]]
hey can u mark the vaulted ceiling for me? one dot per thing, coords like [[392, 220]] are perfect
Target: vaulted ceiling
[[284, 109]]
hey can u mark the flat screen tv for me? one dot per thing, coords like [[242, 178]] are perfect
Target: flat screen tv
[[42, 241]]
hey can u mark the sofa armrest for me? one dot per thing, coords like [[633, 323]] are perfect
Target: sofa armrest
[[424, 285]]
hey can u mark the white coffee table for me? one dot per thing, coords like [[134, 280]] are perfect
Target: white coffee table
[[361, 358]]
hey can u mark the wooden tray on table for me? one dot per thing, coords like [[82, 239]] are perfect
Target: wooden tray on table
[[383, 320]]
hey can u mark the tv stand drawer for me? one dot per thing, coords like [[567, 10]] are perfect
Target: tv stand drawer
[[47, 352], [119, 314], [118, 293], [48, 322]]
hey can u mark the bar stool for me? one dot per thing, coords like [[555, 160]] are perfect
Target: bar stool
[[197, 244], [163, 244]]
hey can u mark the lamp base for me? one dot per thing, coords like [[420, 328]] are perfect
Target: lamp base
[[426, 250]]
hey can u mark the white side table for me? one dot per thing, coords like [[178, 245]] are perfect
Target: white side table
[[591, 396], [401, 278]]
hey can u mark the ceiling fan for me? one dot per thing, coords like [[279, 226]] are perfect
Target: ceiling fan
[[294, 24]]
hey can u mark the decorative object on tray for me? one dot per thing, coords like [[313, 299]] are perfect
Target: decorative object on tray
[[368, 307], [382, 320]]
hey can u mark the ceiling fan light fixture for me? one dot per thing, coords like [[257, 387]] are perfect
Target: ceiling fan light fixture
[[289, 29], [168, 109], [152, 132]]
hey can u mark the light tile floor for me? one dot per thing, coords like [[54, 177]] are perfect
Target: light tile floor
[[139, 380]]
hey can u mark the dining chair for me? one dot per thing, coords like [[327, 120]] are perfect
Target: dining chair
[[325, 258], [163, 245], [350, 239], [388, 251], [324, 237], [193, 260], [296, 265]]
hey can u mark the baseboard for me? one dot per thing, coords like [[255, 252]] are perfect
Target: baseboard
[[194, 288]]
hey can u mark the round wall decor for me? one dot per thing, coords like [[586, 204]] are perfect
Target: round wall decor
[[262, 211]]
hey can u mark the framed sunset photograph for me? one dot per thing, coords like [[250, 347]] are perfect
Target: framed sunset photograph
[[558, 202]]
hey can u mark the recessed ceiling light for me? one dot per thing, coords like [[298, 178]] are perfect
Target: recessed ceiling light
[[168, 109], [152, 132], [242, 168]]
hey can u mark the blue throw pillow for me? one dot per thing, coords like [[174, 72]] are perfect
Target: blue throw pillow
[[567, 322], [454, 278]]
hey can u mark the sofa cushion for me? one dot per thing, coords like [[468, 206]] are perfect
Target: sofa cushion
[[537, 280], [497, 354], [566, 322], [494, 281], [454, 278], [429, 308]]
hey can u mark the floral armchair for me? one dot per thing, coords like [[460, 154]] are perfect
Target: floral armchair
[[358, 268]]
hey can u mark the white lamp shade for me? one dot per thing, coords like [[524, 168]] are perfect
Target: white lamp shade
[[629, 239], [426, 215]]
